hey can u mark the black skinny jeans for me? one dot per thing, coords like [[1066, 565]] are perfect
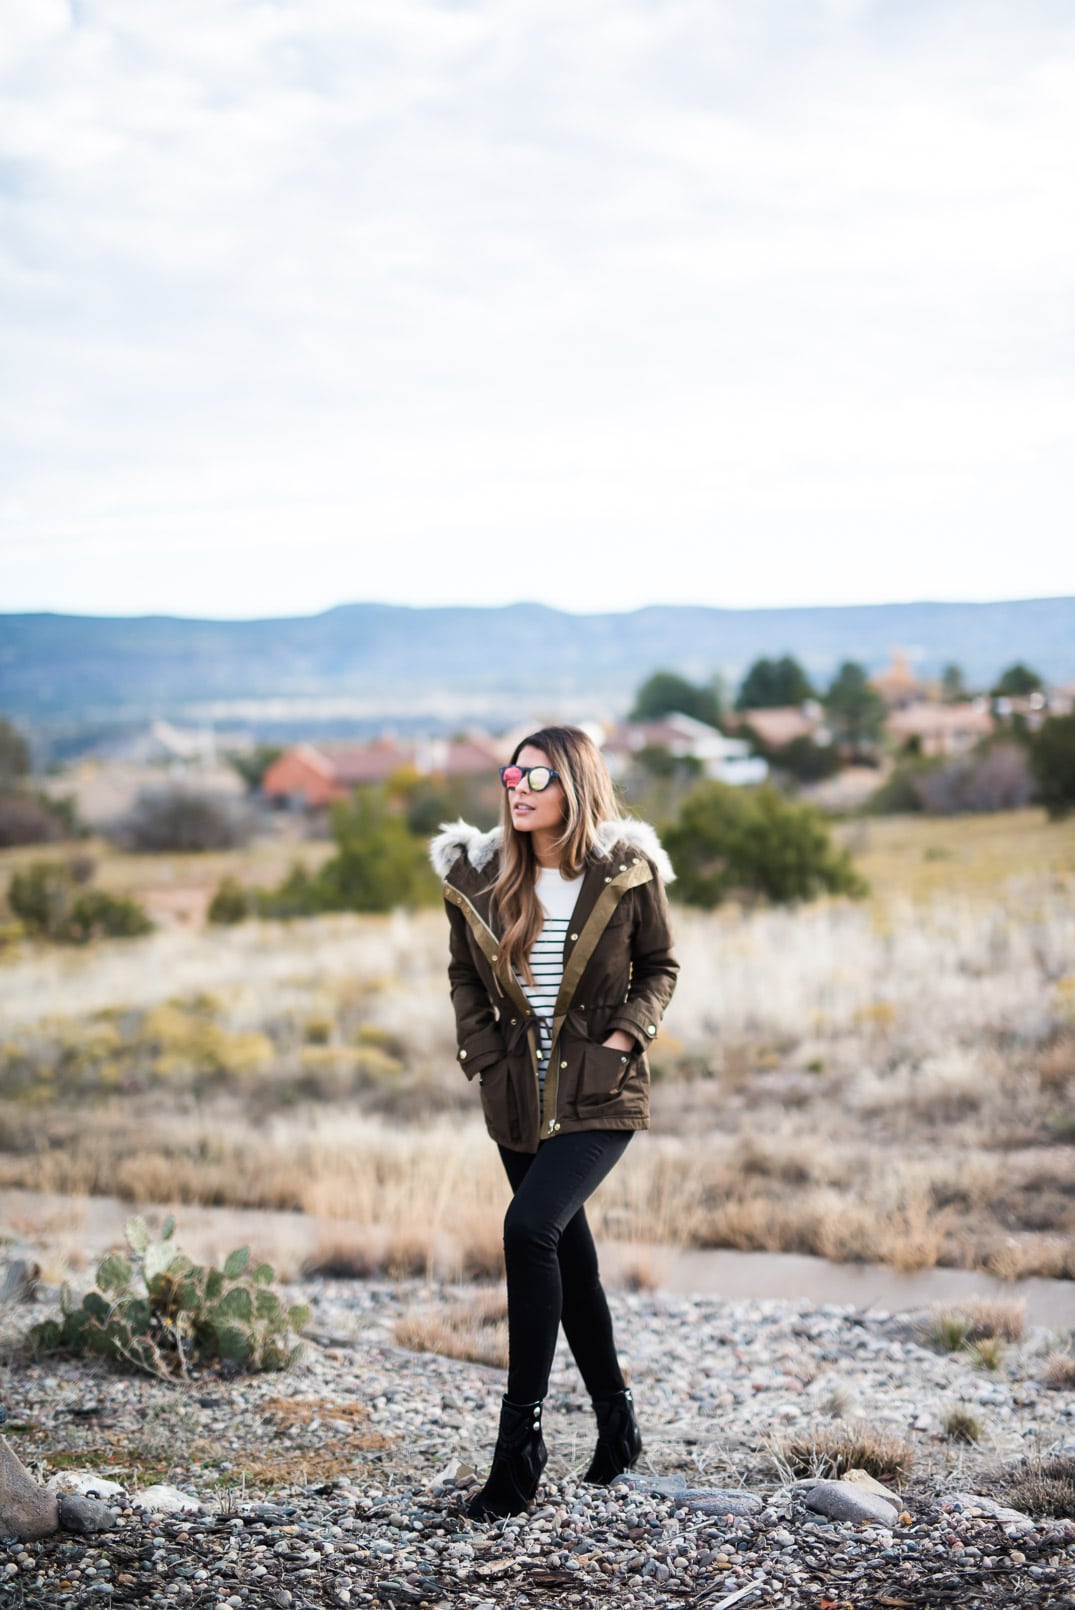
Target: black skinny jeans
[[552, 1262]]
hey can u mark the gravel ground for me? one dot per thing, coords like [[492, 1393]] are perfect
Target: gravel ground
[[342, 1481]]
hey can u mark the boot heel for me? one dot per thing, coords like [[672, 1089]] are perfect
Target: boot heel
[[518, 1460], [619, 1439]]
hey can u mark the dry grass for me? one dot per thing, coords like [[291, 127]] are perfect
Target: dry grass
[[962, 1425], [827, 1451], [476, 1330], [976, 1324], [890, 1082], [1043, 1486], [1060, 1372]]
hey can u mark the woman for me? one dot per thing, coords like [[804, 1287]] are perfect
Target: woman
[[561, 966]]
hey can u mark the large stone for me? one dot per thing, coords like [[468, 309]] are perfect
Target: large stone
[[720, 1501], [662, 1486], [84, 1515], [26, 1510], [863, 1479], [843, 1501], [165, 1500], [85, 1482]]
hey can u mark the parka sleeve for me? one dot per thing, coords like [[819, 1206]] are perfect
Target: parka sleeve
[[477, 1029], [654, 967]]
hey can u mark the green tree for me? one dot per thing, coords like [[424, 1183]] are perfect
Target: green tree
[[757, 844], [14, 754], [855, 709], [953, 685], [665, 694], [378, 864], [772, 684], [254, 763], [1052, 760], [1017, 682]]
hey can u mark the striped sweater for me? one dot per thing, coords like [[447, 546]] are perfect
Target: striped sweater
[[557, 896]]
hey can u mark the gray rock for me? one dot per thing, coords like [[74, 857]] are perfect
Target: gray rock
[[19, 1279], [843, 1501], [989, 1506], [720, 1501], [84, 1515], [663, 1486], [165, 1500], [26, 1510]]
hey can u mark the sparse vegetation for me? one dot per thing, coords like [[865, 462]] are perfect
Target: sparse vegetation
[[178, 816], [52, 901], [157, 1311], [887, 1081], [1044, 1486], [961, 1424], [476, 1329], [828, 1450]]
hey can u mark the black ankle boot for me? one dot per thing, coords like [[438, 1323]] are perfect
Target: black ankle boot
[[619, 1440], [518, 1460]]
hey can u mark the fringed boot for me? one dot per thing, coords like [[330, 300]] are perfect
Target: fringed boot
[[518, 1460], [619, 1440]]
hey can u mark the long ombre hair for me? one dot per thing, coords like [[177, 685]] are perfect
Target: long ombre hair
[[588, 801]]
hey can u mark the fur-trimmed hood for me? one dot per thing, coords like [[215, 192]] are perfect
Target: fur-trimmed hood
[[460, 838]]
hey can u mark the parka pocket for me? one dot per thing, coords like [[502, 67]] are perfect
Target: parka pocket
[[500, 1103], [603, 1074]]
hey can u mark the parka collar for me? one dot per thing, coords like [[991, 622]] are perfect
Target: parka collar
[[479, 850]]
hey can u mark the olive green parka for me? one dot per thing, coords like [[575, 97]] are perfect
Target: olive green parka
[[619, 973]]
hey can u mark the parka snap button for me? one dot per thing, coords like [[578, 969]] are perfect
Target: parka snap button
[[574, 936], [563, 1064], [650, 1029], [623, 866], [496, 958], [514, 1021], [462, 1056], [608, 880]]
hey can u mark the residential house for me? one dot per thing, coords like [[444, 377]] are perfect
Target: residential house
[[728, 760], [313, 776]]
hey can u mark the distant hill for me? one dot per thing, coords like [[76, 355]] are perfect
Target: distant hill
[[364, 663]]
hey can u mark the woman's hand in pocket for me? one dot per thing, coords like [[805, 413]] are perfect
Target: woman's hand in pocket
[[619, 1041]]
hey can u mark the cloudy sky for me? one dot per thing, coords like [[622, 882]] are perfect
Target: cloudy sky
[[596, 302]]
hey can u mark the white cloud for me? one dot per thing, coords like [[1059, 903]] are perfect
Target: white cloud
[[326, 294]]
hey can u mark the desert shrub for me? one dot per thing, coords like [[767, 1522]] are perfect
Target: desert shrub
[[50, 902], [379, 865], [1052, 759], [994, 778], [179, 817], [961, 1424], [156, 1310], [231, 903], [758, 844], [1043, 1486], [26, 820], [14, 752], [830, 1450], [899, 794], [805, 760]]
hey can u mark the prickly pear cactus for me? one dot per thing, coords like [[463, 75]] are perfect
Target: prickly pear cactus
[[156, 1310]]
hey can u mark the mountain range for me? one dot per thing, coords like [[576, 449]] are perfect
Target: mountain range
[[360, 665]]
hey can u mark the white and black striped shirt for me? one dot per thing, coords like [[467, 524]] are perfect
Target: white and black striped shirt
[[557, 896]]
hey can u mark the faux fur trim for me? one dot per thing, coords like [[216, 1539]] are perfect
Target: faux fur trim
[[460, 838], [640, 836]]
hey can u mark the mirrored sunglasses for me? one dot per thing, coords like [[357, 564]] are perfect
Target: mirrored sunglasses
[[538, 777]]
